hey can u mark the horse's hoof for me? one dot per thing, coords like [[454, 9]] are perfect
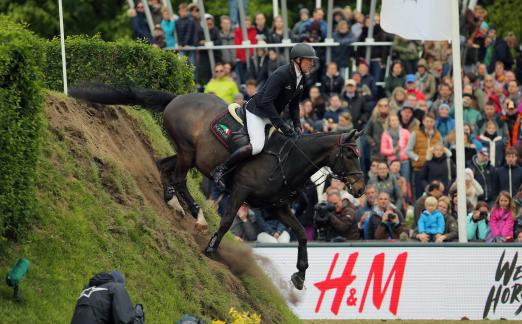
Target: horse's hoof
[[168, 193], [297, 281], [201, 228]]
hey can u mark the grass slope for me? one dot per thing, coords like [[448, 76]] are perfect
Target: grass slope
[[94, 217]]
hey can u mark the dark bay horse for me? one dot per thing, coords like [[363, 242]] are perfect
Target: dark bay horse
[[268, 181]]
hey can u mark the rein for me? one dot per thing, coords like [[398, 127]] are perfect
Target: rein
[[344, 176]]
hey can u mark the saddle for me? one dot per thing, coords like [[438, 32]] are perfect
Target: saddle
[[230, 129]]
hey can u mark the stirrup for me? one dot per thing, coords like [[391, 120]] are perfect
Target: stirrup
[[217, 174]]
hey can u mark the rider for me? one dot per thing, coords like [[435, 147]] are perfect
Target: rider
[[283, 87]]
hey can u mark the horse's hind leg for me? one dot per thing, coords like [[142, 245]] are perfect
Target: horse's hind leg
[[167, 167], [285, 215], [237, 197], [183, 164]]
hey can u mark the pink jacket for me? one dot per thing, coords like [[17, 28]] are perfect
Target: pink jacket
[[387, 144], [501, 222]]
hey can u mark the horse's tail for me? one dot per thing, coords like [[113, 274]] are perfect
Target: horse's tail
[[106, 94]]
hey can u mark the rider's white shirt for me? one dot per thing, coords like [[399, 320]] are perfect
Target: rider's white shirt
[[298, 74]]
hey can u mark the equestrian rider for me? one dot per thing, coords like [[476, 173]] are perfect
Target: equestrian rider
[[283, 88]]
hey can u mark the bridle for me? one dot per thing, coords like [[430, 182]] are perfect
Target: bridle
[[347, 177]]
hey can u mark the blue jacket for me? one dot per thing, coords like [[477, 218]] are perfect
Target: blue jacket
[[476, 230], [140, 27], [169, 28], [431, 223]]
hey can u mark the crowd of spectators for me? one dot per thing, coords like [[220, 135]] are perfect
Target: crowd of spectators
[[408, 148]]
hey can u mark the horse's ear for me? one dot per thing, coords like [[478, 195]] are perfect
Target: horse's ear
[[350, 136]]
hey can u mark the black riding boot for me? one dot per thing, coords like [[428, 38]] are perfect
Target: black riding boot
[[239, 155]]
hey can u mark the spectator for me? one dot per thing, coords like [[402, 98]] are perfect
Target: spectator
[[408, 52], [491, 115], [471, 115], [510, 174], [226, 36], [345, 123], [445, 97], [502, 51], [367, 79], [186, 31], [259, 65], [494, 143], [474, 189], [438, 166], [425, 80], [155, 11], [477, 222], [240, 52], [271, 230], [317, 19], [341, 54], [407, 120], [376, 124], [158, 37], [375, 218], [384, 182], [374, 166], [513, 92], [335, 108], [395, 170], [444, 124], [420, 142], [233, 11], [106, 300], [332, 82], [431, 222], [437, 51], [398, 98], [342, 220], [363, 90], [471, 144], [356, 105], [139, 24], [318, 102], [262, 32], [296, 36], [390, 227], [358, 25], [451, 227], [239, 99], [512, 119], [394, 142], [204, 69], [231, 75], [502, 219], [168, 26], [250, 89], [368, 203], [395, 79], [485, 174], [275, 35], [244, 227], [435, 189], [411, 87], [222, 86]]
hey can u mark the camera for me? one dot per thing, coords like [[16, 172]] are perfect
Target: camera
[[392, 216], [483, 215], [322, 214]]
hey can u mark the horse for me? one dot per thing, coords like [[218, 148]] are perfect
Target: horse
[[269, 180]]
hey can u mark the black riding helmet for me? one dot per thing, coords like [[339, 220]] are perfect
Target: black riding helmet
[[303, 50]]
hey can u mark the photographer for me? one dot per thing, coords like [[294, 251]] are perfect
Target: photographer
[[335, 222], [375, 219], [477, 222], [390, 227]]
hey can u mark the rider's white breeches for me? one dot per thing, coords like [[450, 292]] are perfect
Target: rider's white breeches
[[256, 131]]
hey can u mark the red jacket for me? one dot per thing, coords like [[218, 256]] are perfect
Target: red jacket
[[238, 39], [387, 145]]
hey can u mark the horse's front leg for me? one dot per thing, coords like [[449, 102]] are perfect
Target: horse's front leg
[[237, 197], [285, 215]]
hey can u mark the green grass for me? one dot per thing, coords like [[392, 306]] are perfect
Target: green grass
[[81, 230]]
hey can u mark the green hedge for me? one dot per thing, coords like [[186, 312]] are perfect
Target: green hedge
[[21, 58], [123, 62]]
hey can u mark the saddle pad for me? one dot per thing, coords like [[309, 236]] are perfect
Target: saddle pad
[[224, 126]]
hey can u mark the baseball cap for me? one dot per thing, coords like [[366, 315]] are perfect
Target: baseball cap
[[484, 150], [304, 11], [209, 16], [351, 82], [410, 78]]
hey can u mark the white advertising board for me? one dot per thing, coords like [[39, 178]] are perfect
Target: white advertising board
[[353, 282]]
